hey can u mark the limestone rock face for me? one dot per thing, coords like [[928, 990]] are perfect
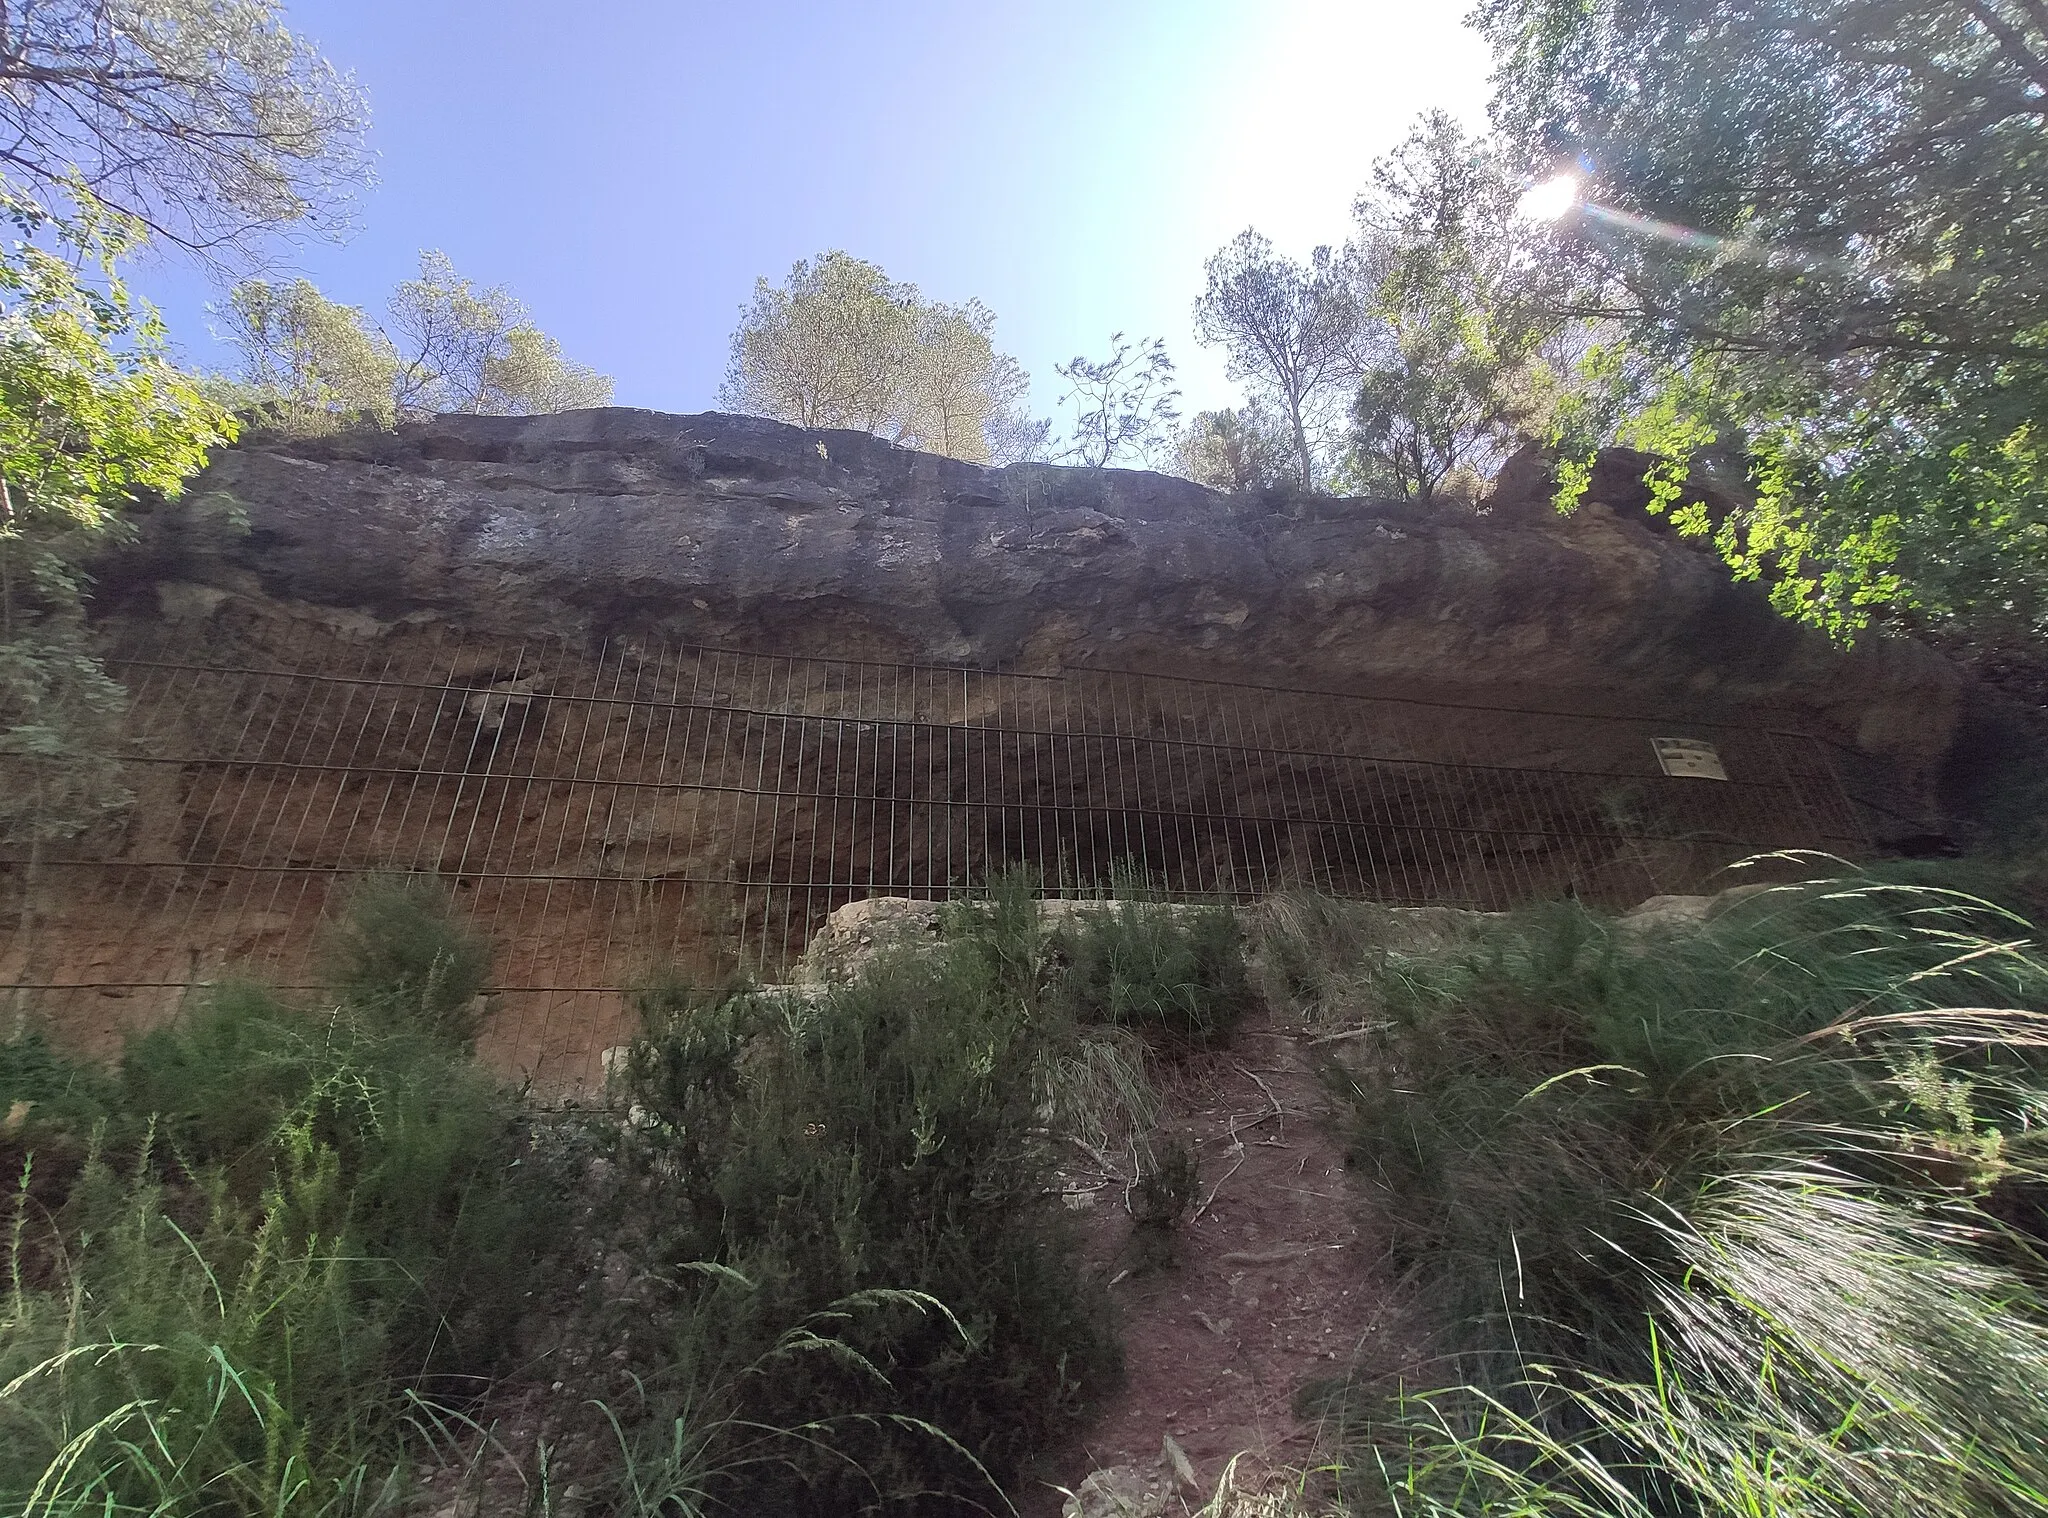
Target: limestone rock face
[[732, 531]]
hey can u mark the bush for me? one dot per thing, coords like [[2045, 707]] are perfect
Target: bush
[[1718, 1218], [875, 1156], [279, 1239], [399, 951], [1175, 971], [1161, 1201]]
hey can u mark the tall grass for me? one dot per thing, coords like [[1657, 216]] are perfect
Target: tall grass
[[250, 1263], [1738, 1221]]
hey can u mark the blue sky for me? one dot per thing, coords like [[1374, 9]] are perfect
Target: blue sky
[[629, 168]]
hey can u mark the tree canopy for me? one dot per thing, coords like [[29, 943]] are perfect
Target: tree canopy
[[467, 349], [1452, 327], [92, 414], [1124, 405], [840, 344], [206, 121], [1432, 329], [310, 364], [1291, 330], [1816, 227], [1236, 449]]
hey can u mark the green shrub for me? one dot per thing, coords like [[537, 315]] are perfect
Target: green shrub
[[1716, 1222], [883, 1138], [1175, 971], [400, 951], [279, 1239]]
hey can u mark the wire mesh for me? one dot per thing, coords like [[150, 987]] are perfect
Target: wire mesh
[[604, 815]]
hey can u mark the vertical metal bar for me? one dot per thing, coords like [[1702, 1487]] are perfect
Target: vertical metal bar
[[293, 848], [638, 719]]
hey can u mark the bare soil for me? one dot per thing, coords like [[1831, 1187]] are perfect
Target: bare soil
[[1280, 1281]]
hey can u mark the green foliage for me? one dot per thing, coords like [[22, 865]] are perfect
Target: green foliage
[[1124, 405], [400, 951], [92, 414], [1528, 1088], [310, 365], [1811, 229], [249, 1265], [1175, 971], [1290, 329], [1734, 1221], [1238, 449], [206, 120], [287, 1231], [840, 344], [884, 1137], [1450, 357], [1826, 1350], [476, 351]]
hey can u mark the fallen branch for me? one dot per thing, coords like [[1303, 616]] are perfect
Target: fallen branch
[[1269, 1096], [1331, 1038], [1271, 1256]]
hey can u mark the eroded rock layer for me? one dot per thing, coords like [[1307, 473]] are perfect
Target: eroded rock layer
[[597, 525]]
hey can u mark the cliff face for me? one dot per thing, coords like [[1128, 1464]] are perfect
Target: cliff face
[[731, 531], [465, 648]]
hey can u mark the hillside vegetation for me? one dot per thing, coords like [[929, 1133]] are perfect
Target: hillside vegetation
[[1749, 1218]]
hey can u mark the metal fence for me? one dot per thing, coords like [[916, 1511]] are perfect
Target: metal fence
[[601, 815]]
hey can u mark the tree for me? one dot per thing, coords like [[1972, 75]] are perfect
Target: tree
[[840, 344], [310, 364], [1435, 400], [1817, 225], [1124, 405], [92, 414], [1291, 329], [1238, 451], [960, 397], [826, 348], [476, 351], [1017, 437], [1450, 357], [205, 121]]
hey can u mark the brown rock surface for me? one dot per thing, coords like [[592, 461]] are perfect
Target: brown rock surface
[[744, 533]]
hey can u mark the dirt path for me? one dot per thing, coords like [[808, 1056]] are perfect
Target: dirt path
[[1280, 1279]]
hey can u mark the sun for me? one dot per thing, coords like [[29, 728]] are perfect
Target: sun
[[1549, 199]]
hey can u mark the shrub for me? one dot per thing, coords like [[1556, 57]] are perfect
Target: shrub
[[1161, 1202], [879, 1146], [287, 1236], [1175, 971], [399, 951]]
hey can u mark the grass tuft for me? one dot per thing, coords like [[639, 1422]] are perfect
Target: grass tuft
[[1738, 1220]]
